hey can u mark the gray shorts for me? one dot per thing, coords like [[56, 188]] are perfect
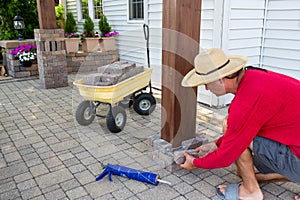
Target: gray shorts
[[273, 157]]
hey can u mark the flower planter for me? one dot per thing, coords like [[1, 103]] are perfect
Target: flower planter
[[72, 45], [90, 44], [26, 63], [108, 44]]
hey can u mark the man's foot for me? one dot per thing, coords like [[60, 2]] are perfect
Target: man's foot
[[243, 193], [270, 178], [267, 178], [297, 197]]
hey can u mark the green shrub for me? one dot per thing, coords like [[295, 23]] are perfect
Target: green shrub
[[104, 26], [59, 13], [70, 25], [88, 27]]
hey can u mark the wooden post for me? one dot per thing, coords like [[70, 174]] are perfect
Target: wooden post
[[181, 35], [46, 12]]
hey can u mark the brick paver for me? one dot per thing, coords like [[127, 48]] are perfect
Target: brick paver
[[45, 154]]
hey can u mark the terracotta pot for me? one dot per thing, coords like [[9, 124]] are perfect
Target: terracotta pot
[[108, 44], [72, 45], [90, 44]]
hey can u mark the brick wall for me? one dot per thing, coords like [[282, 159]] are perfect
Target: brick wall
[[13, 65], [80, 61], [85, 62]]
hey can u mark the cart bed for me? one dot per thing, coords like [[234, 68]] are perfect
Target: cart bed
[[114, 93]]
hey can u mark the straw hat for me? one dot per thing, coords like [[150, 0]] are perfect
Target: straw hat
[[212, 65]]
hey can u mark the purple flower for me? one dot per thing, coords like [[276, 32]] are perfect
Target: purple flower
[[22, 48], [113, 33], [24, 52], [71, 35]]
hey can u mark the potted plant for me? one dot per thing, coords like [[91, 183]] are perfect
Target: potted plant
[[25, 54], [107, 41], [90, 39], [71, 37]]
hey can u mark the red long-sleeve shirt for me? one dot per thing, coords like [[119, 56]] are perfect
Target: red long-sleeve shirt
[[266, 104]]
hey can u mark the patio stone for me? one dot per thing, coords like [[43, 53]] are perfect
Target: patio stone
[[205, 187], [53, 178], [123, 193], [70, 184], [11, 194], [76, 193], [159, 193], [183, 188], [39, 170], [22, 177], [55, 194], [46, 155]]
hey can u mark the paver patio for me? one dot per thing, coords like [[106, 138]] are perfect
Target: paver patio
[[45, 154]]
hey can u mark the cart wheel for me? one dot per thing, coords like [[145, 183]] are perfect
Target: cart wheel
[[116, 119], [125, 103], [85, 113], [144, 104]]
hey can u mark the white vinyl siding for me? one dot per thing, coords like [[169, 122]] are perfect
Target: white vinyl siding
[[210, 36], [281, 48], [154, 21], [266, 31], [131, 42], [243, 33], [242, 27]]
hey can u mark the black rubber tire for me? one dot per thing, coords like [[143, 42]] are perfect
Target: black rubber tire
[[116, 119], [144, 104], [85, 113]]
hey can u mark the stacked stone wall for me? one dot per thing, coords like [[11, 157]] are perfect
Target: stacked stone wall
[[12, 64], [87, 62]]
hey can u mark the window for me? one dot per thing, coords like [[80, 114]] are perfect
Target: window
[[92, 8], [97, 9], [136, 9]]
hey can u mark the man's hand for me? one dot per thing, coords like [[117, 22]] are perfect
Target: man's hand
[[205, 149], [188, 165]]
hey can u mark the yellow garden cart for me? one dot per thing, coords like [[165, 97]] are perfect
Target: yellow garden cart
[[129, 92]]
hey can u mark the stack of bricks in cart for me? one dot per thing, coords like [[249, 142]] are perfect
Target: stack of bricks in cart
[[112, 74]]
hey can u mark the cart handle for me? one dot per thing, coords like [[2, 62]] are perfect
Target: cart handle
[[146, 33]]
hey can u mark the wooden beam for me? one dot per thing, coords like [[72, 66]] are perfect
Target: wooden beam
[[46, 12], [180, 43]]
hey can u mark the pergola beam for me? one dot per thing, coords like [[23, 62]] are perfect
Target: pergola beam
[[46, 12], [180, 43]]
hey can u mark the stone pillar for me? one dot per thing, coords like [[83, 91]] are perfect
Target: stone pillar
[[51, 54]]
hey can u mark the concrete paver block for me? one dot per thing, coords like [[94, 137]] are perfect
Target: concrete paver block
[[112, 74], [194, 142]]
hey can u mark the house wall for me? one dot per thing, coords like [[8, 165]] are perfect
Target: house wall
[[237, 28], [281, 46], [266, 31]]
